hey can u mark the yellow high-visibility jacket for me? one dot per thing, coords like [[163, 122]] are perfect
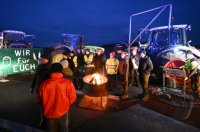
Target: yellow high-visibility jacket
[[75, 61], [89, 60], [112, 66]]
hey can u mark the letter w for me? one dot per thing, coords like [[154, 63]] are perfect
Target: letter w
[[17, 52]]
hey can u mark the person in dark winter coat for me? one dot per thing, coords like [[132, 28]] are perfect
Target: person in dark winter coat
[[42, 73], [145, 67], [122, 67], [99, 61], [79, 72], [66, 56], [67, 72], [134, 62]]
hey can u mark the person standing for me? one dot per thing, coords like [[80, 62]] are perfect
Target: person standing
[[134, 62], [122, 67], [145, 67], [79, 72], [67, 72], [66, 56], [193, 67], [111, 68], [56, 95], [42, 73], [89, 62], [99, 62]]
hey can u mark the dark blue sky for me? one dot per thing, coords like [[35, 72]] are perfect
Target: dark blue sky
[[100, 21]]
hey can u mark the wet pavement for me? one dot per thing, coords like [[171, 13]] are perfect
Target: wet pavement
[[19, 107]]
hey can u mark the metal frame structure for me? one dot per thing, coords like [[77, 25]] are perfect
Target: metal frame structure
[[130, 27]]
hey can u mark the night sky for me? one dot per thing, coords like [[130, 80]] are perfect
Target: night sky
[[101, 22]]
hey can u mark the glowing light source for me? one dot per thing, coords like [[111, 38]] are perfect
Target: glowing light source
[[176, 50], [95, 79]]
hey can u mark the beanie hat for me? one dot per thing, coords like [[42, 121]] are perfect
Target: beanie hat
[[112, 54], [87, 50], [143, 52], [64, 63], [56, 67], [45, 56], [66, 53]]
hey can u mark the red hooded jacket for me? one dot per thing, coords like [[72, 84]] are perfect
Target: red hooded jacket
[[56, 95]]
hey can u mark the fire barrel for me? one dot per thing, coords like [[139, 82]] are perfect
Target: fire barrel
[[95, 85]]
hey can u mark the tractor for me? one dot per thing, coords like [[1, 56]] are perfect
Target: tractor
[[167, 48], [69, 42], [14, 39]]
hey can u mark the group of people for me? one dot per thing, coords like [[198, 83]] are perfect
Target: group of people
[[55, 93], [55, 83], [140, 66]]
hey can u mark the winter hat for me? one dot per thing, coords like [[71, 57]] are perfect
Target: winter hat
[[112, 54], [56, 67], [87, 50], [66, 53], [143, 52], [64, 63], [45, 56]]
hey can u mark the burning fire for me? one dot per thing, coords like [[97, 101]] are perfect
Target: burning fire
[[95, 79]]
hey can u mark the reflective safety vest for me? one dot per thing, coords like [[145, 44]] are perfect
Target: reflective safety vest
[[195, 64], [89, 60], [192, 64], [75, 61], [112, 66]]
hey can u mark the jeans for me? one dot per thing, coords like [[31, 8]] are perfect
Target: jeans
[[59, 124]]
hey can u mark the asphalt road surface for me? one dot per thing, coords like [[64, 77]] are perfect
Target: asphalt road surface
[[17, 106]]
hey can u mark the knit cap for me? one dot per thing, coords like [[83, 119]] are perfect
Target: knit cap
[[64, 63]]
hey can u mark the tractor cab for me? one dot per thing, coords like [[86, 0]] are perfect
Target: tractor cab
[[161, 38], [12, 39], [73, 41]]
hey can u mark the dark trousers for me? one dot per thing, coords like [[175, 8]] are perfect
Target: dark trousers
[[122, 78], [144, 79], [57, 124], [78, 83], [111, 80], [135, 78]]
